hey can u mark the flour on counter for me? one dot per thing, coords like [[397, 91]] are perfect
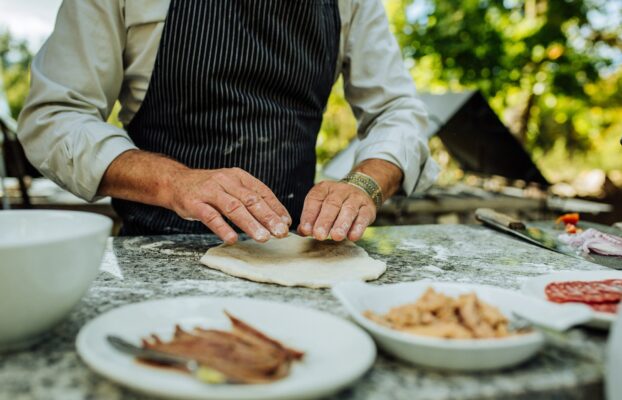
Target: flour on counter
[[431, 268], [156, 245], [438, 252], [166, 247], [224, 288]]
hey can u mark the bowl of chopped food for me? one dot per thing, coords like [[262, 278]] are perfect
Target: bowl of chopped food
[[449, 326], [48, 259]]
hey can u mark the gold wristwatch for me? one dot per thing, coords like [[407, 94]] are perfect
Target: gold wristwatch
[[367, 184]]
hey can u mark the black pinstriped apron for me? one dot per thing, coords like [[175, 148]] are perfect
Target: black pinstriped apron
[[238, 83]]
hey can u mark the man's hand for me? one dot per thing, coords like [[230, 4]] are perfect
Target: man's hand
[[338, 209], [208, 196], [342, 210]]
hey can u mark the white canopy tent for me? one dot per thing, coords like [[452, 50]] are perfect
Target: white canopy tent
[[440, 108], [473, 135]]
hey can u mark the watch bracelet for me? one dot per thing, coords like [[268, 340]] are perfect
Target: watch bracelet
[[367, 184]]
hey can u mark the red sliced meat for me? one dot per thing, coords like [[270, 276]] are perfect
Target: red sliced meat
[[605, 307], [607, 291]]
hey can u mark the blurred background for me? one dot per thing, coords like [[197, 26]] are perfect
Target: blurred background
[[543, 77]]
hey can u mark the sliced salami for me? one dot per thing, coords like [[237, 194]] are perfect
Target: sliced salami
[[607, 291], [605, 307]]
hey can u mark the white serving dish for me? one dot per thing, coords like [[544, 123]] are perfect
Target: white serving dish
[[48, 259], [453, 354], [535, 287], [337, 352]]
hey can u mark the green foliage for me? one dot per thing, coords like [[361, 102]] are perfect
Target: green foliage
[[338, 126], [544, 65], [15, 59]]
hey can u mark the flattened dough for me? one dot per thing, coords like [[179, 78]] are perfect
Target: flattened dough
[[295, 261]]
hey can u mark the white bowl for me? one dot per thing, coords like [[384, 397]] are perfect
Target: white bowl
[[438, 353], [48, 259]]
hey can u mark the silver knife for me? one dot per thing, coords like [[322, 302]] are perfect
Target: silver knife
[[200, 372], [519, 229]]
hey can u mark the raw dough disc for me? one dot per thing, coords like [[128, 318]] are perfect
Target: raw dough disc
[[295, 261]]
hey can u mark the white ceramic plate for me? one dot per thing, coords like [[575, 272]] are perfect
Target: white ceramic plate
[[535, 287], [337, 351], [453, 354]]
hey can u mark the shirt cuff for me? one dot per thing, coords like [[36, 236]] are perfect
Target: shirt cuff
[[109, 149], [78, 162], [419, 174]]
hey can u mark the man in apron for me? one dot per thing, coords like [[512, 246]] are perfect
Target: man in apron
[[222, 102]]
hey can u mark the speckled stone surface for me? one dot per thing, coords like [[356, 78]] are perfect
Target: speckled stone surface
[[142, 268]]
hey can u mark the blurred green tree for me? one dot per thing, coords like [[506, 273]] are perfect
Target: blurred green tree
[[15, 59], [551, 69], [541, 63], [338, 126]]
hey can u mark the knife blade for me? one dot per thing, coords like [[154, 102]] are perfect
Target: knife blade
[[517, 228], [200, 372]]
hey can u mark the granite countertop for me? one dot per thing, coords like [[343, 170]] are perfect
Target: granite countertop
[[141, 268]]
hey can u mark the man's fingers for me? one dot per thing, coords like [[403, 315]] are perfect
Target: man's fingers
[[347, 215], [367, 215], [213, 220], [235, 210], [258, 207], [268, 196], [330, 210], [312, 208], [274, 203]]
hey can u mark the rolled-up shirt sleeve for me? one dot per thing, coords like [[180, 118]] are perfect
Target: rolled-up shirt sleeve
[[75, 80], [391, 120]]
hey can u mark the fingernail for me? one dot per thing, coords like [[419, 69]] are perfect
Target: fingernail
[[307, 228], [338, 232], [286, 220], [280, 229], [262, 234], [359, 229], [231, 238], [320, 234]]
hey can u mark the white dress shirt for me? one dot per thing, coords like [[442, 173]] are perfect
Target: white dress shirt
[[104, 50]]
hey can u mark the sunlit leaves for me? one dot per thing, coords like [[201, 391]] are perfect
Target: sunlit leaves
[[554, 57], [15, 59]]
